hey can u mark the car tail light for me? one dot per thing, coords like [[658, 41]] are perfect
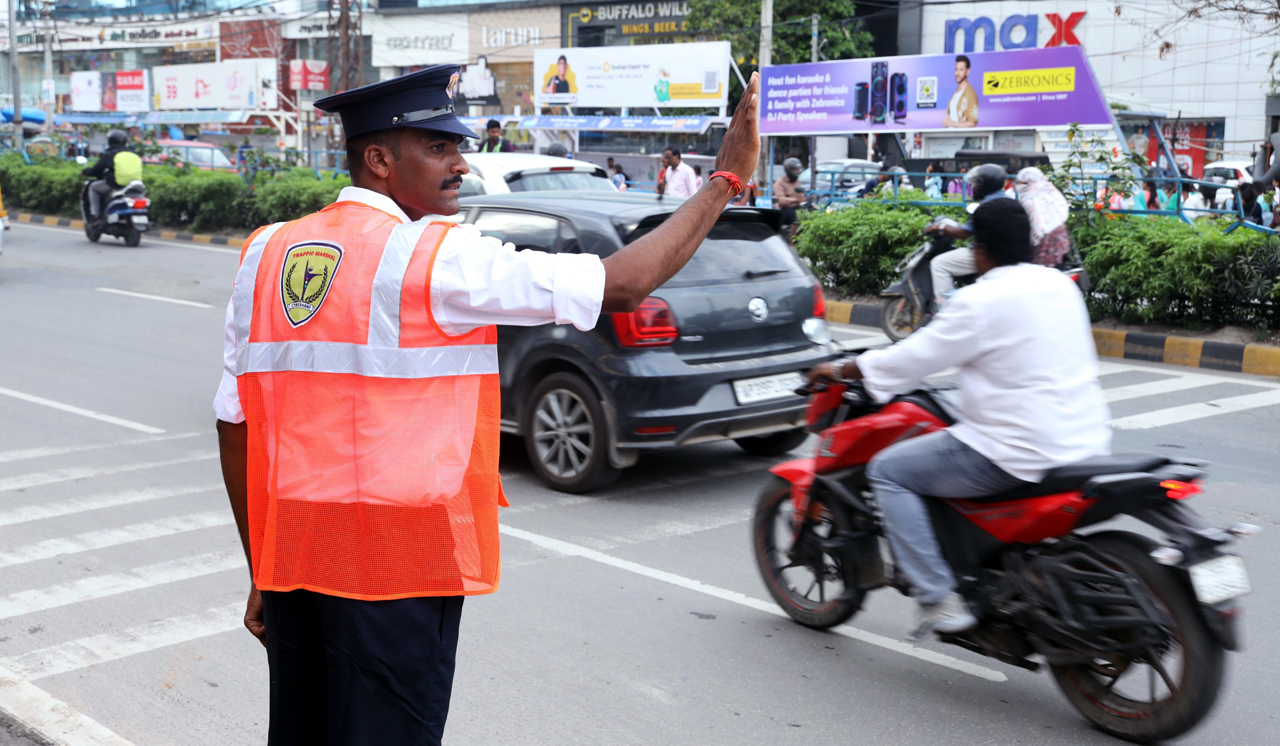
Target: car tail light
[[819, 302], [561, 168], [1180, 490], [651, 325], [1074, 275], [141, 204]]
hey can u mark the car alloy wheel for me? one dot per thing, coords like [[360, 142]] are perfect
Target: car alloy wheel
[[562, 433]]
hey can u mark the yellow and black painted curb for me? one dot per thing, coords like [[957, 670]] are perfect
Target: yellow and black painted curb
[[1258, 360], [26, 217]]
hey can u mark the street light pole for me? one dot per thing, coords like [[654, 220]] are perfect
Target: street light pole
[[813, 141], [17, 83], [47, 99], [764, 58]]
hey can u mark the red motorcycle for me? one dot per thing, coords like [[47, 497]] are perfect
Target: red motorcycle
[[1135, 632]]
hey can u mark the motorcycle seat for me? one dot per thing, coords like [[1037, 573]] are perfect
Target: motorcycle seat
[[1073, 476]]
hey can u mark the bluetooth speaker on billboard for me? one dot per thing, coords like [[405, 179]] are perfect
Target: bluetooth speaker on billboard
[[879, 92], [860, 101], [898, 96]]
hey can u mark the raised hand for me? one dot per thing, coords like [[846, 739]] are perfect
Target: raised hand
[[740, 148]]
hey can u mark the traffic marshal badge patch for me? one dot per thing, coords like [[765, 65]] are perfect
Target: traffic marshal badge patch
[[305, 278]]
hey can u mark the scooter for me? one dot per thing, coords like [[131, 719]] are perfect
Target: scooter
[[1134, 628], [125, 213], [909, 303]]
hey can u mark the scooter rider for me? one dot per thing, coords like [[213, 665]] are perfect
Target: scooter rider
[[987, 182], [1030, 400], [788, 192], [117, 166]]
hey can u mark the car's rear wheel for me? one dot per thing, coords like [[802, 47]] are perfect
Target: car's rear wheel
[[566, 434], [773, 444]]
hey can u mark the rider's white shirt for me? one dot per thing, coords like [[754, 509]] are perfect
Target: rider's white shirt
[[1028, 370]]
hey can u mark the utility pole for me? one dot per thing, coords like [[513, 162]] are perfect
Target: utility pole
[[346, 49], [764, 58], [813, 141], [17, 83], [47, 100]]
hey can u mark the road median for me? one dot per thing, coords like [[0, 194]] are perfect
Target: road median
[[166, 235]]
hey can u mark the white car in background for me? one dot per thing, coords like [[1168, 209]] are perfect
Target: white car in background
[[503, 173], [1231, 173]]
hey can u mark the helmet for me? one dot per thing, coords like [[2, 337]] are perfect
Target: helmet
[[792, 166], [986, 179], [558, 150], [117, 139]]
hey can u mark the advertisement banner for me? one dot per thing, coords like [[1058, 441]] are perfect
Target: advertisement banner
[[694, 125], [212, 85], [309, 75], [405, 41], [123, 90], [647, 75], [178, 35], [1018, 89]]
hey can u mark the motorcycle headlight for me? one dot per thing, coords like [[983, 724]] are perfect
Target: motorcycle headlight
[[816, 330]]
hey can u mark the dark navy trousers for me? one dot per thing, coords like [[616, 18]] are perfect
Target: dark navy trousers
[[356, 673]]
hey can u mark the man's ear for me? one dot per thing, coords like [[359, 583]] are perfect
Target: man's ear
[[377, 160]]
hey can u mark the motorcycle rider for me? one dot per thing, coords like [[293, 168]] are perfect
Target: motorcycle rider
[[987, 182], [1030, 400], [788, 192], [117, 166]]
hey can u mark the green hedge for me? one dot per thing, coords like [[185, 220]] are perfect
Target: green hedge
[[186, 199], [1144, 270]]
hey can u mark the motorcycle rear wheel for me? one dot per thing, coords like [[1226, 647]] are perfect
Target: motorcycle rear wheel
[[133, 237], [897, 318], [796, 573], [1196, 679]]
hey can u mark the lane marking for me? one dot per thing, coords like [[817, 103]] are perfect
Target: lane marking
[[42, 511], [148, 296], [43, 452], [1199, 410], [113, 584], [81, 411], [71, 473], [888, 643], [52, 718], [1163, 386], [160, 241], [143, 638], [111, 537]]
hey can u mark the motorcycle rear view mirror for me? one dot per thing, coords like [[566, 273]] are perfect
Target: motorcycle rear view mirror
[[81, 160]]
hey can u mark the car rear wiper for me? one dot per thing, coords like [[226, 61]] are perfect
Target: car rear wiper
[[752, 274]]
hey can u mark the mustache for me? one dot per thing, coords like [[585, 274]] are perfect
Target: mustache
[[451, 182]]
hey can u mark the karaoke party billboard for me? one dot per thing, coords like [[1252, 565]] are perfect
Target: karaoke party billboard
[[1014, 89]]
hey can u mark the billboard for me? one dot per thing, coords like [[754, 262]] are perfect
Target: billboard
[[123, 90], [309, 75], [647, 75], [1016, 89], [411, 40], [237, 84]]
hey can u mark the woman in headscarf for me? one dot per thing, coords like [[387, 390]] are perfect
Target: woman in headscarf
[[1048, 210]]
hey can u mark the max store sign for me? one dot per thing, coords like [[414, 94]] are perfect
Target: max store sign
[[1063, 32]]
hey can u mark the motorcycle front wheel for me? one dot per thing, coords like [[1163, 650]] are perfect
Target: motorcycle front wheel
[[804, 572], [898, 319], [1157, 693]]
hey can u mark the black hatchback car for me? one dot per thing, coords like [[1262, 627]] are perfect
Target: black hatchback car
[[715, 353]]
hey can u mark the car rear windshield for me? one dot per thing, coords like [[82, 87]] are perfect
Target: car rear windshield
[[735, 251], [560, 181]]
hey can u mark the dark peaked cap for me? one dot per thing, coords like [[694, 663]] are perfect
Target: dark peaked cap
[[423, 100]]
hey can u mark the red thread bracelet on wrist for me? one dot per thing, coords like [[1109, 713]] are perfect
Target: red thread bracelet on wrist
[[735, 184]]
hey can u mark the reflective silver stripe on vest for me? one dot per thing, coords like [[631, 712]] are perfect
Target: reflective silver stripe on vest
[[362, 360], [242, 295], [384, 302]]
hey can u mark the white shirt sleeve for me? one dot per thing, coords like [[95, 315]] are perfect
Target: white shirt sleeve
[[953, 338], [478, 281], [226, 403]]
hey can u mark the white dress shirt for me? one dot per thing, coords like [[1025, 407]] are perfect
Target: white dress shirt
[[1028, 370], [475, 281], [681, 181]]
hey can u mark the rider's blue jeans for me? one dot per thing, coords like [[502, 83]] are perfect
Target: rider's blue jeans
[[937, 465]]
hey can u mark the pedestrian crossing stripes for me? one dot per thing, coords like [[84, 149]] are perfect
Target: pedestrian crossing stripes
[[42, 511], [110, 537], [40, 479]]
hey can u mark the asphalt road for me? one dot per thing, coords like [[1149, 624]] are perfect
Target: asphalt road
[[632, 616]]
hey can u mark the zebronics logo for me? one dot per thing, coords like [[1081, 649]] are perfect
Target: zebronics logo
[[1045, 80]]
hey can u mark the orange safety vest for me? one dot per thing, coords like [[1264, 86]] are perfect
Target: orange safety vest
[[373, 435]]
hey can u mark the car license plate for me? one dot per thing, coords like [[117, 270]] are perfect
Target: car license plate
[[1219, 579], [139, 219], [766, 388]]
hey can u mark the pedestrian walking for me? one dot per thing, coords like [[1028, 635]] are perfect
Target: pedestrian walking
[[933, 182], [678, 179], [959, 186], [1249, 203], [619, 179], [358, 415], [1048, 211]]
